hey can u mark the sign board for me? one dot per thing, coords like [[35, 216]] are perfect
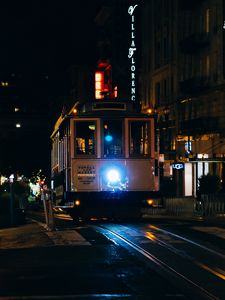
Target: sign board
[[178, 166], [86, 174], [131, 54]]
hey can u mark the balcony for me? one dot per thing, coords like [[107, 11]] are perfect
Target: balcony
[[202, 125], [190, 4], [194, 85], [195, 42]]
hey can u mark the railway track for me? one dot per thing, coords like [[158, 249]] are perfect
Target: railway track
[[186, 282], [194, 268]]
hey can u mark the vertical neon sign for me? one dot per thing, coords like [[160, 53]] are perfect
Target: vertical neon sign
[[131, 53]]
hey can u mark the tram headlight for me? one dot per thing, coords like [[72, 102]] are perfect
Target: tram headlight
[[113, 176], [150, 202]]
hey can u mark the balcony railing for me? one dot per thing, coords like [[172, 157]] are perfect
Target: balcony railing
[[190, 4], [195, 42], [194, 85], [202, 125]]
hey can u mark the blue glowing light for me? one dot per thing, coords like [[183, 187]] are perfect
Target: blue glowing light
[[113, 176], [108, 138]]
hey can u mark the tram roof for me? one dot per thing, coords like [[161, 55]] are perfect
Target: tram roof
[[95, 109]]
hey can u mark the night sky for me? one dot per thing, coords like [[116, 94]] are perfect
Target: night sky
[[46, 35], [39, 40]]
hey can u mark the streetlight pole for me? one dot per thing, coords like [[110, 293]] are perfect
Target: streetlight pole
[[12, 212]]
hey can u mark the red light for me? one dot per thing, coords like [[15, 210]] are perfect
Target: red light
[[99, 85], [103, 81]]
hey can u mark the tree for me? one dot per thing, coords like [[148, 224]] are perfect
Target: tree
[[209, 184]]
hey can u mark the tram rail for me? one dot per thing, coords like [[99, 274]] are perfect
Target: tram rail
[[185, 284]]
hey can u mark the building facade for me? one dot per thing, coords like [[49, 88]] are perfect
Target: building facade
[[183, 82]]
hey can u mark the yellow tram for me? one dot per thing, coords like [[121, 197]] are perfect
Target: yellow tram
[[104, 161]]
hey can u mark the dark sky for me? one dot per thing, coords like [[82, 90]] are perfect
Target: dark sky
[[46, 35], [40, 39]]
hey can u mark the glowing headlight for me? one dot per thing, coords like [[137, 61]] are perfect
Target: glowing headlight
[[113, 176], [150, 201]]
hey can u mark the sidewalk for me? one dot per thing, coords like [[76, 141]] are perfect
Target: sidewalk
[[35, 234], [31, 234]]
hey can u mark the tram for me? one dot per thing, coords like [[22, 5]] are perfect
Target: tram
[[104, 161]]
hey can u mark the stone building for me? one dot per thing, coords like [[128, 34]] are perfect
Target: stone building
[[182, 80]]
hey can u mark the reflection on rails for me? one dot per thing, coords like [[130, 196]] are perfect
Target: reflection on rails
[[167, 254]]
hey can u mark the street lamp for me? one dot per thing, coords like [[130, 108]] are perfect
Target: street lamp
[[11, 179]]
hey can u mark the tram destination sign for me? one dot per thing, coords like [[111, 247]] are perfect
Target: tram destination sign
[[86, 174]]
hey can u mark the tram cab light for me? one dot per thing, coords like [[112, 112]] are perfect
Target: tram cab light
[[108, 138]]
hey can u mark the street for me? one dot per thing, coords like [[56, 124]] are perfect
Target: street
[[158, 258]]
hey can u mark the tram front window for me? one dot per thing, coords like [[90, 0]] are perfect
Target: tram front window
[[113, 132], [139, 138], [85, 138]]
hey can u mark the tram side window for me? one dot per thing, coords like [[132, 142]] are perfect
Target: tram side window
[[113, 138], [85, 138], [139, 138]]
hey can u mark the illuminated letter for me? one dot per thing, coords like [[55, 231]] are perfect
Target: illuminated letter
[[132, 68], [131, 9], [131, 52], [133, 44]]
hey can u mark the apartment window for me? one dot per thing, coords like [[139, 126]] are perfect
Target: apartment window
[[207, 65], [157, 54], [157, 93], [166, 50], [172, 85], [207, 16]]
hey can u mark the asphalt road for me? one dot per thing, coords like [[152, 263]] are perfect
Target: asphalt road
[[83, 262]]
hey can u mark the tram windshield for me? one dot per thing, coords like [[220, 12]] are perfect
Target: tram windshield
[[85, 137], [139, 138], [113, 133]]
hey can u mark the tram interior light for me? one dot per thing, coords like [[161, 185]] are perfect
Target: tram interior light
[[108, 138]]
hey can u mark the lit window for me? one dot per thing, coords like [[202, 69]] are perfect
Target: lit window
[[85, 137], [139, 138], [99, 85], [113, 138]]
